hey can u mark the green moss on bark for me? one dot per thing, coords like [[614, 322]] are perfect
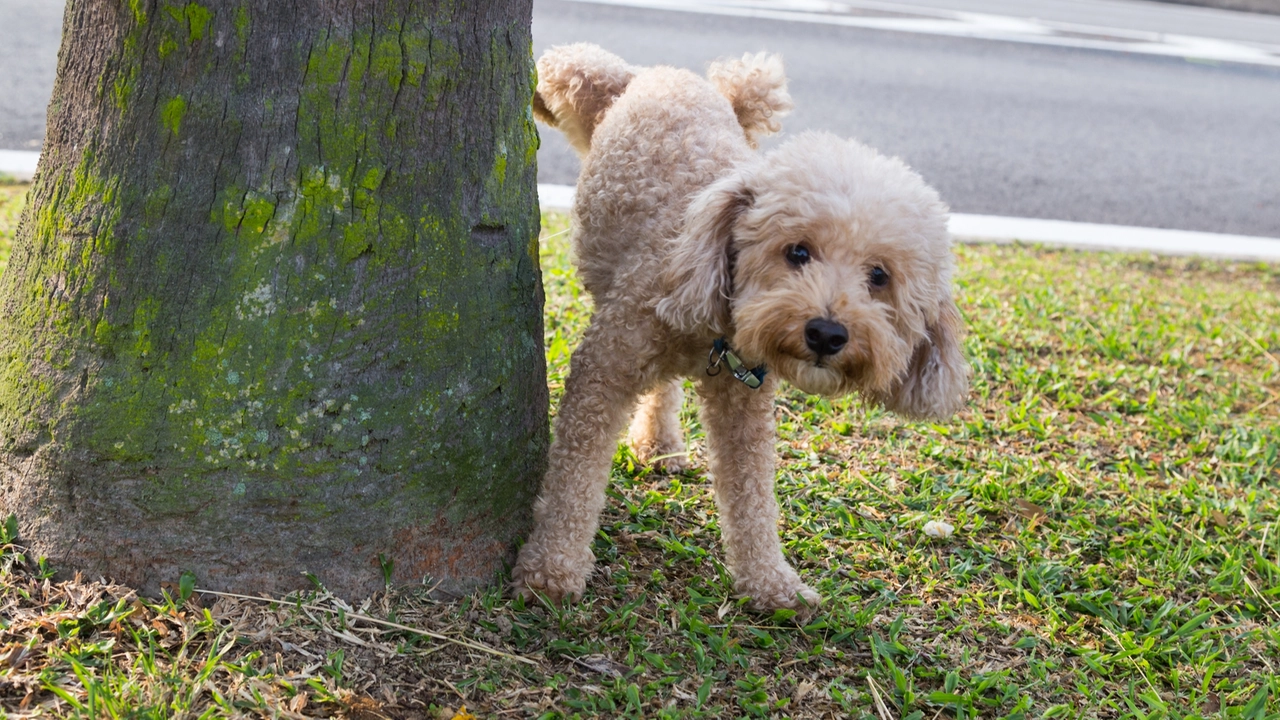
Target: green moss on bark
[[171, 114], [338, 322], [194, 16]]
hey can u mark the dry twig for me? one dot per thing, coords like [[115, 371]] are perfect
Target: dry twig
[[385, 623]]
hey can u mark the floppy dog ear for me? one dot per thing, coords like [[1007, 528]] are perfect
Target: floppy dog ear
[[937, 379], [698, 280]]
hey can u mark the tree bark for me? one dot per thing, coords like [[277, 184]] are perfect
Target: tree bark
[[274, 305]]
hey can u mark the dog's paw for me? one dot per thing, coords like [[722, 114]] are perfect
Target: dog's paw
[[554, 575], [663, 457], [672, 463], [779, 590]]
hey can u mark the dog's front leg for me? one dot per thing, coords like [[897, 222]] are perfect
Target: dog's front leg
[[599, 395], [740, 439]]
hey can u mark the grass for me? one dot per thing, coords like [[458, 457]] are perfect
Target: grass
[[12, 199], [1113, 485]]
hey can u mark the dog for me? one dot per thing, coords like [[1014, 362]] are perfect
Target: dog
[[820, 262]]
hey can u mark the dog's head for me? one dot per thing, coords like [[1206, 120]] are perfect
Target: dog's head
[[832, 264]]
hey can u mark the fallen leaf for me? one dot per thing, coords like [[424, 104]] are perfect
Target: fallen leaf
[[1028, 509], [939, 529], [683, 694], [725, 609], [18, 656], [362, 707], [804, 688], [870, 513], [601, 664]]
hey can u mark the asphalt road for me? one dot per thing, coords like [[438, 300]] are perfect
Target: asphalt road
[[1128, 14], [30, 31], [1000, 128]]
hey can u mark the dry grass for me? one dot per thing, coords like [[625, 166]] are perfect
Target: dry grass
[[1114, 491]]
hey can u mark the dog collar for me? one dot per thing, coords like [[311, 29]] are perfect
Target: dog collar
[[751, 377]]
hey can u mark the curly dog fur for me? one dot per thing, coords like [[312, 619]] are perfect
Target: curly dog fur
[[822, 259]]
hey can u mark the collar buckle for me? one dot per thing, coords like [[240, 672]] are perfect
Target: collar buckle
[[751, 377]]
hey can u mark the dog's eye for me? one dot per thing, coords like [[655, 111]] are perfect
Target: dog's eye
[[879, 278], [798, 255]]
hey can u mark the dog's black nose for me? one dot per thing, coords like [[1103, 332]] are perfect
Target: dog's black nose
[[825, 337]]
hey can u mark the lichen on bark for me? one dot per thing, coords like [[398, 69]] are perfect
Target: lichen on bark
[[275, 304]]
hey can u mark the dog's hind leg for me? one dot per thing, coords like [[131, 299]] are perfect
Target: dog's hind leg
[[599, 395], [656, 436], [740, 440]]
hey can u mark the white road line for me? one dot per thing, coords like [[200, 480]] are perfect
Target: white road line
[[877, 15], [19, 164], [1060, 233]]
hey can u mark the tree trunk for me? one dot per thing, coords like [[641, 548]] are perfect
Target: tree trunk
[[274, 306]]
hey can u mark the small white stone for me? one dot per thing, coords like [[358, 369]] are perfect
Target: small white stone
[[939, 529]]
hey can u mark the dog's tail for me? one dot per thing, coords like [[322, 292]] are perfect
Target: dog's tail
[[756, 86], [577, 85]]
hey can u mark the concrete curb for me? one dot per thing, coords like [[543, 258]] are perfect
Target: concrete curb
[[1060, 233], [19, 164], [1093, 236]]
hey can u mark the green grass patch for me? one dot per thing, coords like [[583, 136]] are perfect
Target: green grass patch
[[1113, 485], [12, 200]]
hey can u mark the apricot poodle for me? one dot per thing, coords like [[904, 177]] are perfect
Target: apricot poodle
[[821, 262]]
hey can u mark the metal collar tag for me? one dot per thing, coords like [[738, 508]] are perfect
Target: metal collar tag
[[751, 377]]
